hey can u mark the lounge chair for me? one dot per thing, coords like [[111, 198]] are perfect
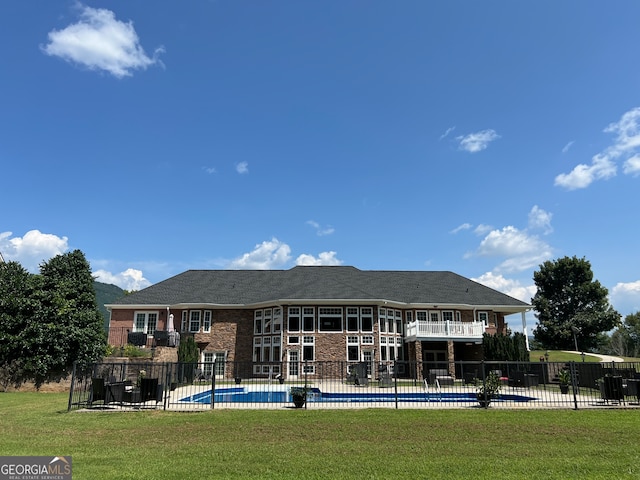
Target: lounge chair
[[442, 375]]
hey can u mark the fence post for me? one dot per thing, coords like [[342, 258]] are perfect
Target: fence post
[[73, 381], [484, 381], [395, 380], [574, 382], [305, 383], [213, 385], [167, 385]]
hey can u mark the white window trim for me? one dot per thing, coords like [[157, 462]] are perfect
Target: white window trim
[[294, 312], [145, 328], [331, 312], [185, 321], [206, 322], [192, 323]]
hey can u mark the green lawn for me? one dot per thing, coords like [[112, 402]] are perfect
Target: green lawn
[[334, 444]]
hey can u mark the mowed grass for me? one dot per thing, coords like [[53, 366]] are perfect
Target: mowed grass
[[333, 444]]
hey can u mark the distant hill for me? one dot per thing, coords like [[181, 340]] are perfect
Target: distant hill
[[106, 293]]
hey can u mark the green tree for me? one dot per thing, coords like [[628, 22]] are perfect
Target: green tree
[[570, 302], [52, 320], [17, 306], [511, 348], [625, 340], [188, 355]]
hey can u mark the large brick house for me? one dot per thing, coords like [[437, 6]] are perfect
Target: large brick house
[[288, 321]]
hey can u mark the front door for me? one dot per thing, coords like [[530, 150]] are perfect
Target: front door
[[294, 363]]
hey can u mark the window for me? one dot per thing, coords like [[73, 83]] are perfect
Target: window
[[367, 340], [382, 320], [267, 321], [483, 317], [206, 321], [366, 319], [194, 321], [214, 362], [294, 340], [421, 316], [447, 316], [353, 353], [277, 320], [390, 322], [308, 319], [352, 319], [266, 349], [145, 322], [293, 319], [308, 349], [185, 320], [257, 322], [458, 317], [408, 316], [434, 316], [275, 350], [330, 319], [257, 349], [207, 367]]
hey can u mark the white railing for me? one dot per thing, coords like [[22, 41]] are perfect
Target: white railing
[[423, 330]]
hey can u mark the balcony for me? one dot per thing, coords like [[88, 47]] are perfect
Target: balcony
[[119, 337], [458, 331]]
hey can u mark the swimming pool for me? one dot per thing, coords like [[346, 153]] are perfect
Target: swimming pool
[[242, 395]]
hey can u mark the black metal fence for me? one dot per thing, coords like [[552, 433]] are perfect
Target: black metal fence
[[201, 386]]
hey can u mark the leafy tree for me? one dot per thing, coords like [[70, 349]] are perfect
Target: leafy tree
[[510, 348], [17, 305], [52, 320], [625, 340], [188, 355], [570, 302]]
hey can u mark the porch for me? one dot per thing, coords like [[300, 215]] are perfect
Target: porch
[[421, 330]]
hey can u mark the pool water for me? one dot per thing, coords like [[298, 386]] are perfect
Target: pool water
[[241, 395]]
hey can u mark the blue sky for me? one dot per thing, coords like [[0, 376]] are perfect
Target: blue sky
[[478, 137]]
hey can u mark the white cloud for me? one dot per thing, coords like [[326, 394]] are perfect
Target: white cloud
[[583, 175], [242, 167], [320, 231], [464, 226], [540, 220], [476, 142], [603, 166], [32, 249], [523, 251], [324, 258], [446, 134], [566, 148], [511, 287], [209, 170], [482, 229], [631, 166], [131, 279], [625, 297], [98, 41], [265, 256]]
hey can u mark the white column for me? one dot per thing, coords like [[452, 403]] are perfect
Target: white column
[[524, 330]]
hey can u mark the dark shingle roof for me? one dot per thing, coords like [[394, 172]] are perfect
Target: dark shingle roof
[[247, 287]]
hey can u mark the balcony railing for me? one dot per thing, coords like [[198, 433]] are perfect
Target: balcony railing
[[448, 330], [119, 337]]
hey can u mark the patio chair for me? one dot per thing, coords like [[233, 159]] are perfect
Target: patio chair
[[97, 391], [150, 390]]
